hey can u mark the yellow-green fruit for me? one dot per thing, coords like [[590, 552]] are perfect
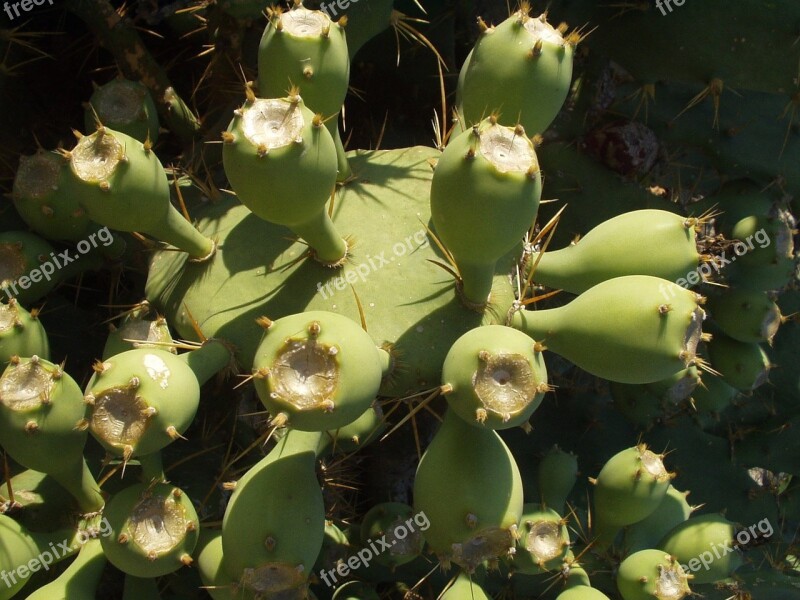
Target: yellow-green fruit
[[544, 541], [652, 575], [21, 333], [125, 106]]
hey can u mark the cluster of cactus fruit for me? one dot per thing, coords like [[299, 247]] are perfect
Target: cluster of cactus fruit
[[561, 401]]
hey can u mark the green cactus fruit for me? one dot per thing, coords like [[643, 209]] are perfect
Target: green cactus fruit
[[360, 433], [643, 404], [705, 546], [647, 533], [274, 524], [633, 329], [742, 366], [713, 394], [21, 332], [144, 399], [122, 185], [125, 106], [141, 327], [485, 195], [304, 48], [392, 522], [544, 541], [749, 316], [614, 249], [41, 202], [522, 68], [494, 376], [652, 574], [762, 252], [582, 592], [336, 549], [43, 425], [154, 529], [25, 552], [81, 578], [42, 500], [629, 487], [21, 256], [469, 488], [210, 566], [317, 370], [355, 590], [557, 475], [463, 587], [281, 162]]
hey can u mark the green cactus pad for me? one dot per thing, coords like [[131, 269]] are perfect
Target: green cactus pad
[[705, 546], [633, 329], [125, 106], [521, 69], [154, 529], [281, 162], [484, 196], [21, 333], [407, 300], [81, 578], [495, 377], [316, 371], [614, 249], [544, 541], [470, 489], [649, 574]]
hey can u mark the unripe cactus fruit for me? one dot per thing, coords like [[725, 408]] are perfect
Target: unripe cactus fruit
[[394, 523], [304, 48], [43, 425], [521, 68], [139, 331], [124, 106], [154, 529], [485, 195], [317, 370], [544, 540], [122, 185], [470, 489], [614, 249], [557, 475], [764, 252], [633, 329], [652, 574], [581, 592], [21, 333], [80, 579], [630, 487], [647, 533], [281, 162], [20, 253], [464, 587], [749, 316], [494, 376], [742, 366], [358, 434], [707, 545], [40, 199]]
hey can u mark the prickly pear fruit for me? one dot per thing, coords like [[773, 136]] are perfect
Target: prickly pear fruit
[[21, 332], [43, 425], [273, 526], [614, 249], [125, 106], [122, 185], [633, 329], [281, 162], [21, 254], [304, 48], [649, 574], [144, 399], [470, 489], [316, 370], [544, 540], [764, 252], [394, 523], [358, 434], [494, 376], [630, 486], [714, 395], [749, 316], [40, 200], [522, 68], [81, 578], [647, 533], [557, 474], [463, 587], [707, 545], [485, 195], [138, 330], [742, 366], [581, 592], [355, 590], [154, 529]]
